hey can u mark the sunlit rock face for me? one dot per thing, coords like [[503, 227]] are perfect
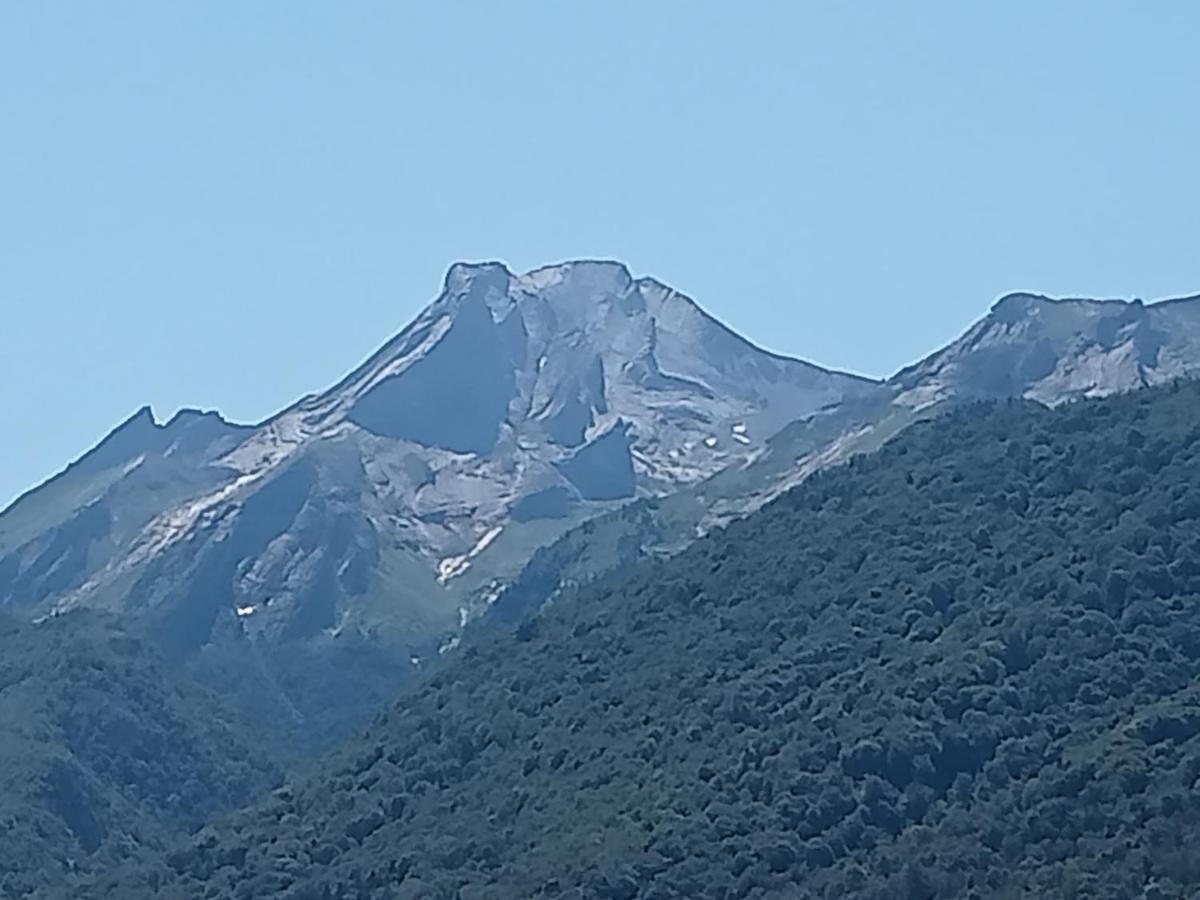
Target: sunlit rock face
[[1055, 350]]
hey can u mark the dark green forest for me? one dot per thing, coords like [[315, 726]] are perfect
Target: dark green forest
[[967, 666], [104, 752]]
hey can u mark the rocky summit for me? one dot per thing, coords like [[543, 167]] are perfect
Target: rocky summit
[[389, 511]]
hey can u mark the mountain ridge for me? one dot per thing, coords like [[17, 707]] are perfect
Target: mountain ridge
[[1028, 345], [399, 500], [371, 523]]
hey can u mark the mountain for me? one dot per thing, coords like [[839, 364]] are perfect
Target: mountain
[[1028, 346], [966, 666], [311, 563], [1051, 351], [105, 751]]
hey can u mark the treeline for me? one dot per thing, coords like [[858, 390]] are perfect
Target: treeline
[[967, 666]]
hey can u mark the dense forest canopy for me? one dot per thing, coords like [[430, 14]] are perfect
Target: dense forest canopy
[[104, 751], [967, 666]]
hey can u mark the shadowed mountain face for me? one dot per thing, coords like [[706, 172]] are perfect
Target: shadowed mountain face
[[391, 509]]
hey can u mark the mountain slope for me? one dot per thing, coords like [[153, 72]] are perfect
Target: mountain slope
[[369, 523], [53, 535], [1051, 351], [105, 752], [968, 666], [1028, 346]]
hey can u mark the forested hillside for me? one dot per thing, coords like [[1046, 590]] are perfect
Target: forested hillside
[[967, 666], [104, 752]]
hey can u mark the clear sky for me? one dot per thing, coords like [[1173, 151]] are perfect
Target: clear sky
[[229, 204]]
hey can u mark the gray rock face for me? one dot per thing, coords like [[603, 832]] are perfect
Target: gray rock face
[[397, 503], [1056, 350], [53, 538], [1028, 346]]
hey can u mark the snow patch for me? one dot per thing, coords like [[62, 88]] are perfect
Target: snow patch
[[452, 567], [710, 442], [244, 611], [484, 542]]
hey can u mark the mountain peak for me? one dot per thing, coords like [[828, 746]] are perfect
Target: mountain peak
[[1017, 305], [393, 505], [603, 274], [122, 443], [578, 276], [545, 355], [1020, 303], [1051, 350], [461, 275]]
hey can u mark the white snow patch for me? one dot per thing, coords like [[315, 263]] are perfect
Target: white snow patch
[[739, 428], [133, 464], [741, 438], [449, 645], [452, 567], [244, 611], [484, 542], [710, 442]]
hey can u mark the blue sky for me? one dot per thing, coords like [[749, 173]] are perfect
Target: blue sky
[[230, 204]]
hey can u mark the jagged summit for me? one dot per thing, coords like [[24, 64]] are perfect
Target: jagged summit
[[398, 502], [543, 356], [578, 280], [140, 436], [1017, 304]]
